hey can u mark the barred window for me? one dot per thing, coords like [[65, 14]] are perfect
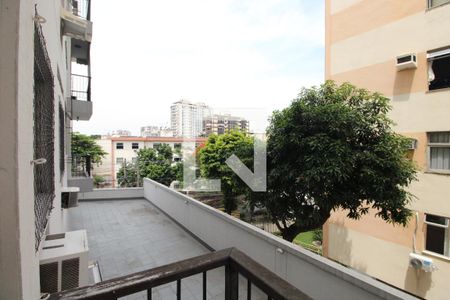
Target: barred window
[[44, 186]]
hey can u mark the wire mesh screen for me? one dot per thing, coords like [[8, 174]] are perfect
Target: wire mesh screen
[[61, 139], [44, 174]]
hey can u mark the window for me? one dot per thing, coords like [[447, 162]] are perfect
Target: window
[[436, 239], [439, 151], [119, 146], [156, 145], [135, 146], [434, 3], [439, 69], [177, 146], [119, 160], [134, 160]]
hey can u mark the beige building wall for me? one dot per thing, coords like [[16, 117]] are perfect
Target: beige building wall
[[109, 166], [363, 39]]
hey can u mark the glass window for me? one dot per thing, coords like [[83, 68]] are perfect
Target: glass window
[[436, 239], [434, 3], [439, 151], [439, 69], [134, 160], [135, 146], [119, 160], [119, 146]]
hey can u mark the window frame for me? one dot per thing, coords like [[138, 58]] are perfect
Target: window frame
[[446, 236], [435, 145], [430, 4], [133, 146], [121, 159], [121, 147], [436, 55]]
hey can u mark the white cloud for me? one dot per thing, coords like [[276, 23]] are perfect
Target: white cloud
[[229, 53]]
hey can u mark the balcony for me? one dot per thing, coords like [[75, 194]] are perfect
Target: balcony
[[81, 174], [76, 22], [81, 105], [160, 246]]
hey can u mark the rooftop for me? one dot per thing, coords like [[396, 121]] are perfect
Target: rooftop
[[129, 236]]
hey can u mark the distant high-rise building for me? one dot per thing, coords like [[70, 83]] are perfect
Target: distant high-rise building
[[186, 118], [220, 124], [156, 131], [121, 132]]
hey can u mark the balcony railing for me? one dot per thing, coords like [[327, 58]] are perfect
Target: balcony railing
[[82, 8], [81, 166], [235, 262], [81, 87]]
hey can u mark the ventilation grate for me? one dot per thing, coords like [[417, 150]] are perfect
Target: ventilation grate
[[70, 273], [49, 277]]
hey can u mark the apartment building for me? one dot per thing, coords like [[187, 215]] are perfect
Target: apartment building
[[155, 131], [124, 149], [44, 85], [220, 124], [186, 118], [402, 50]]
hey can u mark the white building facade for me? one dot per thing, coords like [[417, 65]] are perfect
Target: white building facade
[[186, 118], [42, 44]]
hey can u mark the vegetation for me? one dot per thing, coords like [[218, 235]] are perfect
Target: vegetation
[[155, 164], [333, 148], [98, 180], [212, 159], [84, 145]]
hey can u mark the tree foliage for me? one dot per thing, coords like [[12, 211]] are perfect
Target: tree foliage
[[212, 157], [333, 148], [84, 145]]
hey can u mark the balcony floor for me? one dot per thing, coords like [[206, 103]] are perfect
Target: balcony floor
[[127, 236]]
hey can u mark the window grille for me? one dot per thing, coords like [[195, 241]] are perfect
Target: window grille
[[44, 185]]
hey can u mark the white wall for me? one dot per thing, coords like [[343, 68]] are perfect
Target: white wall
[[111, 194], [19, 263], [318, 277]]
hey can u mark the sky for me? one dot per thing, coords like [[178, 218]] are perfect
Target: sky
[[247, 57]]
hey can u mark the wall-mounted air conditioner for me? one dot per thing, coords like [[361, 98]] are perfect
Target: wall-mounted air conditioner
[[69, 196], [63, 261], [408, 61], [421, 262], [413, 144]]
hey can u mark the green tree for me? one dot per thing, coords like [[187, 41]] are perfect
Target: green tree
[[127, 176], [333, 148], [212, 159], [156, 164], [84, 145]]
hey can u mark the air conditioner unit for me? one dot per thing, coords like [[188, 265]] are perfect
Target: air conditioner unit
[[69, 196], [421, 262], [63, 261], [408, 61], [413, 144]]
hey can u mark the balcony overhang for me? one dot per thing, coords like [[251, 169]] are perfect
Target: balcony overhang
[[81, 110], [75, 26]]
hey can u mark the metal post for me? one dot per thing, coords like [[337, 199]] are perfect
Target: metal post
[[231, 282]]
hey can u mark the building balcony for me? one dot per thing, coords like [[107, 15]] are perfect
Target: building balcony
[[76, 22], [80, 102], [81, 174], [156, 243]]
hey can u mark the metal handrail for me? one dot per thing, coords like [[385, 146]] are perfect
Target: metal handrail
[[81, 87], [81, 8], [235, 262]]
